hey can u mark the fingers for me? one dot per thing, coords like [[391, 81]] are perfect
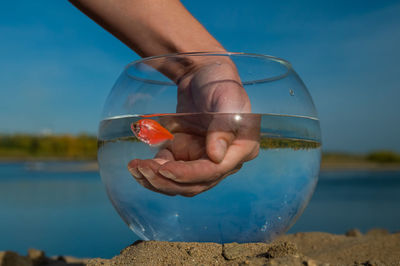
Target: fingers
[[224, 129], [146, 173], [172, 175], [219, 137], [217, 145], [132, 167], [188, 178], [163, 156], [198, 171], [187, 147], [207, 171]]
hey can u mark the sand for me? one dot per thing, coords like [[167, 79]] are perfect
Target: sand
[[377, 247]]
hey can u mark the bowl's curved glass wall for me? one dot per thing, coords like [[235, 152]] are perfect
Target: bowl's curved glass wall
[[258, 202]]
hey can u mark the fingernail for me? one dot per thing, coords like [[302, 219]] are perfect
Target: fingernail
[[134, 172], [167, 174], [221, 149], [147, 172]]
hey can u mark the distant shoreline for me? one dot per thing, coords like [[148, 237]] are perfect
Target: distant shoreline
[[358, 166], [346, 162], [83, 148], [89, 164]]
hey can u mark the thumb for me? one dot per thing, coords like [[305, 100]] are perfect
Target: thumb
[[220, 135]]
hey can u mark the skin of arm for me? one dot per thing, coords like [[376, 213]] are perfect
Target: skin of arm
[[156, 27], [152, 27]]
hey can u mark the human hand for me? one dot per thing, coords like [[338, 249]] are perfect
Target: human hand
[[207, 146]]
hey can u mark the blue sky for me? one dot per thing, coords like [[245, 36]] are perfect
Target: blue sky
[[57, 66]]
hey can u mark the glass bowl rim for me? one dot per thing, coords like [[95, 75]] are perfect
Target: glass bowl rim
[[278, 60]]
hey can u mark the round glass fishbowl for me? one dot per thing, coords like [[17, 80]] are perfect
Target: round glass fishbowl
[[216, 147]]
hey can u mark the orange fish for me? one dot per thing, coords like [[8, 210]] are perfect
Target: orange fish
[[150, 131]]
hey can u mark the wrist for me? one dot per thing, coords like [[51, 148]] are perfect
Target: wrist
[[217, 61], [180, 65]]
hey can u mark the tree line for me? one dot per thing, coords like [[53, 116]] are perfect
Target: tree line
[[84, 146], [66, 146]]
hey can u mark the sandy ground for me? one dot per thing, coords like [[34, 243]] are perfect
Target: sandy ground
[[377, 247]]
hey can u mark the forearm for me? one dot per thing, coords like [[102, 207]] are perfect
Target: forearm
[[150, 27]]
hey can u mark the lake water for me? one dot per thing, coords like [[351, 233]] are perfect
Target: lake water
[[68, 213]]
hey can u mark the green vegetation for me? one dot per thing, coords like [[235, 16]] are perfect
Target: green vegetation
[[336, 156], [377, 157], [23, 146], [297, 144], [383, 157], [84, 147]]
